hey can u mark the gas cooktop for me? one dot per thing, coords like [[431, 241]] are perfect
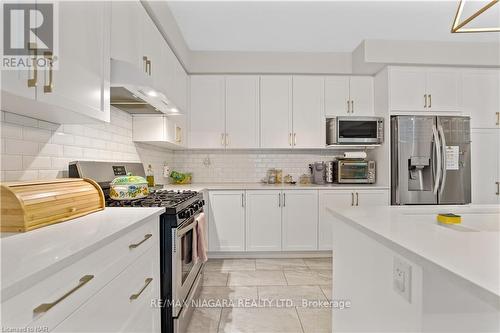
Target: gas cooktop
[[173, 201]]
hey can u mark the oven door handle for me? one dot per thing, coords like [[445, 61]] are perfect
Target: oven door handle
[[188, 227]]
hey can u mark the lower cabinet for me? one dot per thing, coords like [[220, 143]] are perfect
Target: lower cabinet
[[300, 220], [263, 220], [124, 304], [339, 199], [226, 230]]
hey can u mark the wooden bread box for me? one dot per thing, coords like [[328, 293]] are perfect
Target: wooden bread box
[[30, 205]]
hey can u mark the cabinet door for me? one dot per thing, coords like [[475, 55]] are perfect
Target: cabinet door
[[227, 221], [180, 86], [152, 39], [308, 112], [81, 81], [149, 128], [337, 96], [263, 220], [480, 97], [242, 111], [300, 220], [276, 111], [126, 31], [207, 111], [443, 88], [371, 198], [485, 165], [407, 89], [113, 310], [361, 95], [336, 199]]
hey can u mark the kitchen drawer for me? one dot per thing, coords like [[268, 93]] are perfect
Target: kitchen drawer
[[100, 267], [124, 305]]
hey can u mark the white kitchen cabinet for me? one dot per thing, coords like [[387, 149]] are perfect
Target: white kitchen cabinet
[[414, 89], [346, 95], [180, 85], [207, 112], [481, 99], [124, 304], [242, 111], [308, 112], [226, 230], [152, 39], [159, 130], [276, 111], [361, 95], [340, 199], [485, 166], [300, 220], [263, 220], [127, 40], [75, 87]]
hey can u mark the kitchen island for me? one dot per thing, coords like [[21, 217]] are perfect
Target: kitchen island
[[404, 272]]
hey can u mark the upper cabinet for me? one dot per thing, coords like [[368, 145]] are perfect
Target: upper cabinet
[[481, 99], [348, 95], [207, 114], [74, 87], [159, 130], [424, 89], [276, 111], [308, 112], [136, 39], [242, 111]]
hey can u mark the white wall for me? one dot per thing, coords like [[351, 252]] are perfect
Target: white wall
[[36, 149]]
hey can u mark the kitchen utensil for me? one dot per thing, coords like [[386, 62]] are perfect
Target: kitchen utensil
[[29, 205], [128, 188]]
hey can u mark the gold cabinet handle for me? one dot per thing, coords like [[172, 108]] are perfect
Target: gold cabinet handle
[[498, 188], [357, 199], [47, 306], [352, 198], [294, 139], [430, 100], [49, 86], [148, 66], [227, 140], [32, 81], [146, 284], [425, 100], [498, 118], [145, 61], [146, 237], [178, 134], [352, 106], [222, 139]]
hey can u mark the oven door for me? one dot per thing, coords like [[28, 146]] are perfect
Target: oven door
[[184, 268], [353, 172], [357, 130]]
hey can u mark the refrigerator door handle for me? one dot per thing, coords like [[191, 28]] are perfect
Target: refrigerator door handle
[[443, 153], [437, 147]]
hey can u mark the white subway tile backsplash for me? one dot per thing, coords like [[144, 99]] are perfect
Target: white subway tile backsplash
[[20, 175], [12, 162], [49, 126], [70, 151], [73, 129], [36, 162], [20, 120], [36, 134], [11, 131], [21, 147], [63, 138]]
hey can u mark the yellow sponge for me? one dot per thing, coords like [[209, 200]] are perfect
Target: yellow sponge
[[449, 218]]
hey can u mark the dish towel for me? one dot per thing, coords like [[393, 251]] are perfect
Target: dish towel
[[201, 241]]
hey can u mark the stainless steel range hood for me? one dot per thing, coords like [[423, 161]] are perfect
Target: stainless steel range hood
[[132, 91]]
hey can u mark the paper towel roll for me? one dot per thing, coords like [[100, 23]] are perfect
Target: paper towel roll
[[355, 154]]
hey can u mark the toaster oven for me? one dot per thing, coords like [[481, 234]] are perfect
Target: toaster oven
[[354, 172]]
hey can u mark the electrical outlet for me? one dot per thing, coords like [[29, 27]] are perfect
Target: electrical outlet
[[401, 277]]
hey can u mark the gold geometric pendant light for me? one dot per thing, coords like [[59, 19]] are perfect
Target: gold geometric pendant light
[[458, 26]]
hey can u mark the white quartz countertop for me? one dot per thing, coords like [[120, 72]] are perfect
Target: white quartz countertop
[[470, 250], [262, 186], [30, 256]]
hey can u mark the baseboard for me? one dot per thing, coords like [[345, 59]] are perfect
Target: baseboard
[[262, 255]]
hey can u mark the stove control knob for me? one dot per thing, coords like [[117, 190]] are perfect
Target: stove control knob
[[181, 215]]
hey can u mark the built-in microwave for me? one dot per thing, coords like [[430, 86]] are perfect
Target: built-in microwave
[[354, 130]]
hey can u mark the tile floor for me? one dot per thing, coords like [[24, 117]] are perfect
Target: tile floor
[[264, 296]]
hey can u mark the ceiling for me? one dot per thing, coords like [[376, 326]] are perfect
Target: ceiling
[[321, 26]]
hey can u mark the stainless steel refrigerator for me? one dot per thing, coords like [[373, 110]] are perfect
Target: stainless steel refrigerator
[[430, 159]]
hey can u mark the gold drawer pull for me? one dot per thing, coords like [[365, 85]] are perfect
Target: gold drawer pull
[[32, 82], [47, 306], [146, 284], [146, 237], [48, 88]]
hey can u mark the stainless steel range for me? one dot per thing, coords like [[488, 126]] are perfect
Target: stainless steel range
[[180, 275]]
